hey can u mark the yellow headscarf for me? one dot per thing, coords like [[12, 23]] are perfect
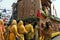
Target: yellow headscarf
[[20, 22], [14, 22]]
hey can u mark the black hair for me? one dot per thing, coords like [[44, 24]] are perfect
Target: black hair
[[47, 26], [34, 24]]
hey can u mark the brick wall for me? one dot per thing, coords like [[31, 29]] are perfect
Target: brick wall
[[27, 8], [55, 24]]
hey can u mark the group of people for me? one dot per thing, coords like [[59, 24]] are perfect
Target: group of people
[[46, 30], [18, 31]]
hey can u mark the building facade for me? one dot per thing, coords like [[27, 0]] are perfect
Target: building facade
[[27, 8]]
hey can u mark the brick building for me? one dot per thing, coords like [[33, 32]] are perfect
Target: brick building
[[27, 8], [46, 8]]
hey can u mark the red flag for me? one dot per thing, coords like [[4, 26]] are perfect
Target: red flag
[[39, 15]]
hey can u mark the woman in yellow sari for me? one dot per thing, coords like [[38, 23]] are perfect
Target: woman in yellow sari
[[13, 31], [30, 31], [21, 30]]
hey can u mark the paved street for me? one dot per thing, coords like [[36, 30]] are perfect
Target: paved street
[[56, 38]]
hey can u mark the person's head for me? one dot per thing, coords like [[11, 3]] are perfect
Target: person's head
[[13, 22], [1, 22], [46, 26], [20, 22], [50, 26], [42, 25]]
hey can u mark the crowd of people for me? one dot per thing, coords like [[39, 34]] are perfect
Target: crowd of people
[[20, 31]]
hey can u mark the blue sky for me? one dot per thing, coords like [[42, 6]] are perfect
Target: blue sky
[[7, 4], [57, 6]]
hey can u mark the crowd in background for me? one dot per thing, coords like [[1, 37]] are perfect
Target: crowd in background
[[20, 31]]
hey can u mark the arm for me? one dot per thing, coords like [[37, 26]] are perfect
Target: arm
[[15, 31], [32, 28], [25, 31]]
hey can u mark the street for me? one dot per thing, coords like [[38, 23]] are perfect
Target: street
[[56, 38]]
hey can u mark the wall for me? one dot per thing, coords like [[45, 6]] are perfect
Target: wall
[[27, 8], [55, 24]]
